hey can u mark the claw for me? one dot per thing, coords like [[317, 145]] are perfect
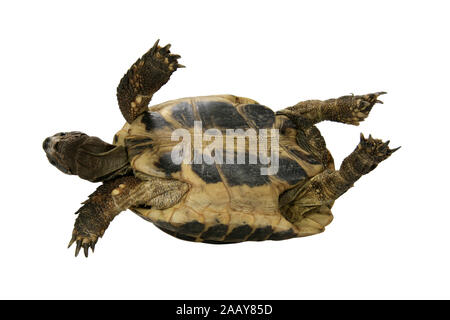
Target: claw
[[77, 249], [71, 241], [166, 48], [86, 249], [155, 46], [180, 66], [391, 151], [173, 58], [377, 95]]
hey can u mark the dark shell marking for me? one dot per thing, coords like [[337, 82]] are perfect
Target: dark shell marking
[[166, 164], [217, 234], [207, 172], [164, 225], [216, 114], [239, 233], [290, 171], [261, 234], [283, 235], [303, 156], [244, 174], [154, 120], [192, 228], [183, 113], [259, 116]]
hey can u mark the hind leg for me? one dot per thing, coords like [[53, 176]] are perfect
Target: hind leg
[[347, 109], [323, 189]]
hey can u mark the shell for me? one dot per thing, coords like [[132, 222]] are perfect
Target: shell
[[226, 202]]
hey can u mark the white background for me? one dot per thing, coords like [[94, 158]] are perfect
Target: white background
[[60, 65]]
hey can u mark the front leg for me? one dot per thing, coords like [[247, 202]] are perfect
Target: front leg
[[99, 210], [347, 109], [144, 78], [118, 195]]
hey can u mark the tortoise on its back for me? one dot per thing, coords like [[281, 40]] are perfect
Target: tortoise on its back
[[212, 196], [226, 202]]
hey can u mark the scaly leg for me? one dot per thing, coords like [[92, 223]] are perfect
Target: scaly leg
[[347, 109], [326, 187], [118, 195]]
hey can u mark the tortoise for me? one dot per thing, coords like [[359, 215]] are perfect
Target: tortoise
[[197, 196]]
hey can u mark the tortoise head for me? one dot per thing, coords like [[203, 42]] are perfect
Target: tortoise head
[[61, 150], [88, 157]]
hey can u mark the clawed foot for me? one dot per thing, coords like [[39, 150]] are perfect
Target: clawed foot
[[84, 241], [376, 149], [360, 107], [162, 58]]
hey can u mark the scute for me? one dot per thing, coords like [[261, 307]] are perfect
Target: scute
[[207, 172], [244, 174], [259, 116], [154, 120], [290, 171], [218, 114], [239, 233], [182, 112], [166, 164]]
